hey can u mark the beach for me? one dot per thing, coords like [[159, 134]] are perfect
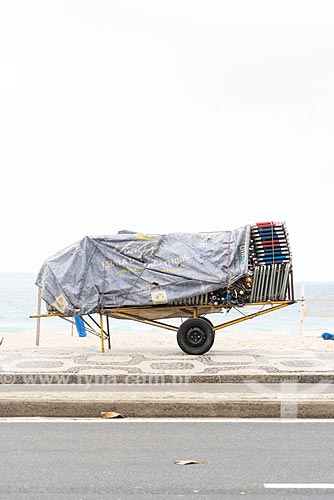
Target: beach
[[142, 341]]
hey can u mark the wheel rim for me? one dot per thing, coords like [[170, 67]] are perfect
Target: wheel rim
[[195, 337]]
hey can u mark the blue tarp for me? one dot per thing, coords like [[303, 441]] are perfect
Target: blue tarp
[[133, 269]]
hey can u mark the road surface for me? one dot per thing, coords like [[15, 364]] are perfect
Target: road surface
[[135, 459]]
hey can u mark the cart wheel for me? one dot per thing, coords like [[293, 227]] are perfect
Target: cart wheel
[[207, 319], [195, 336]]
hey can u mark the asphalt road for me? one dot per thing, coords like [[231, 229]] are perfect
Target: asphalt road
[[125, 459]]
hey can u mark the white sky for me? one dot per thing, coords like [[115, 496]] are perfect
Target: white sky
[[162, 116]]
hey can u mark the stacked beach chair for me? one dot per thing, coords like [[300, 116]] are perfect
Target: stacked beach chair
[[269, 261], [269, 275]]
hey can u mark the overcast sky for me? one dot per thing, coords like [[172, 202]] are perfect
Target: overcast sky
[[163, 116]]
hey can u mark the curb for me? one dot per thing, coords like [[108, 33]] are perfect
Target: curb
[[156, 408]]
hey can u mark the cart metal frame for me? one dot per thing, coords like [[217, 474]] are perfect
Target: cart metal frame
[[141, 314]]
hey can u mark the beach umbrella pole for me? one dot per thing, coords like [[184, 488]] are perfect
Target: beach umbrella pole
[[302, 310], [39, 307]]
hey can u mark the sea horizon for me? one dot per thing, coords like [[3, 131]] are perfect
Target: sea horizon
[[18, 301]]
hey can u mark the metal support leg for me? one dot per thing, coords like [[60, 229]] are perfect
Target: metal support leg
[[102, 332], [108, 331]]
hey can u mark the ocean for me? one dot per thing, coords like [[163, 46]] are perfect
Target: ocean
[[18, 301]]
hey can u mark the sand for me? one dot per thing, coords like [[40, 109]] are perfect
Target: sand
[[163, 339]]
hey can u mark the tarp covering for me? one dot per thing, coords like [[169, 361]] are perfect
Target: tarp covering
[[132, 269]]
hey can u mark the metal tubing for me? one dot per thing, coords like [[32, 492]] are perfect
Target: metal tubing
[[49, 315], [251, 316], [292, 292], [102, 332], [276, 281], [97, 324], [90, 328], [260, 292], [148, 321], [271, 284], [108, 330], [254, 285], [285, 281]]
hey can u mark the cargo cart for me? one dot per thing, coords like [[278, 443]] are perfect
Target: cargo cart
[[149, 278]]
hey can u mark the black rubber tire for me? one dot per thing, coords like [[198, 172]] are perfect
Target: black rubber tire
[[195, 336], [207, 319]]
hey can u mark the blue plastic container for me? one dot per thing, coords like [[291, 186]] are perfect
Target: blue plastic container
[[79, 323], [327, 336]]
